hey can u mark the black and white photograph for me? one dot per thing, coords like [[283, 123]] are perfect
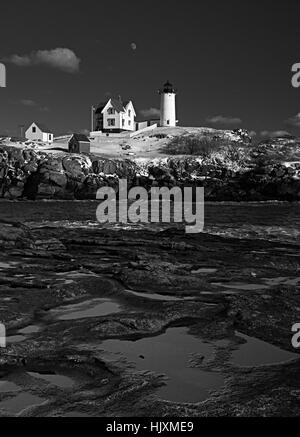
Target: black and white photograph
[[150, 212]]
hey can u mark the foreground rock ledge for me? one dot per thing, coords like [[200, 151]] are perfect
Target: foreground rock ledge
[[38, 264]]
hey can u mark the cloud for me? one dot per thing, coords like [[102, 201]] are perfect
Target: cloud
[[31, 104], [274, 134], [222, 120], [28, 102], [60, 58], [252, 134], [294, 121], [20, 61], [150, 112]]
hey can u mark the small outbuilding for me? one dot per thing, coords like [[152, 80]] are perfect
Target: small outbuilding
[[79, 143], [39, 132]]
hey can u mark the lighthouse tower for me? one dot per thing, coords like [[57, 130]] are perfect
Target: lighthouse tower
[[168, 105]]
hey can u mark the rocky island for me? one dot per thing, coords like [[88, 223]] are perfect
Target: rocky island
[[225, 163]]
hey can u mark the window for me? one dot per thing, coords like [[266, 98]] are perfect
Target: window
[[111, 122], [129, 113], [34, 129], [50, 137], [129, 122], [123, 122], [111, 111]]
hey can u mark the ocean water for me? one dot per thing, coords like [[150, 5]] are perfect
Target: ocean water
[[274, 221]]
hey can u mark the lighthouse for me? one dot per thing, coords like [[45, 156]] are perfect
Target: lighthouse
[[168, 105]]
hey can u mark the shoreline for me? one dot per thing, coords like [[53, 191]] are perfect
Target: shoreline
[[208, 202]]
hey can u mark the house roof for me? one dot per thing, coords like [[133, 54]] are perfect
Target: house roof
[[117, 104], [80, 137], [42, 127]]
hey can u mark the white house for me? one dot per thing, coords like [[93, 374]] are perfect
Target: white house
[[115, 116], [38, 131]]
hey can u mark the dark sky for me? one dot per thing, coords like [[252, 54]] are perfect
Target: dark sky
[[227, 58]]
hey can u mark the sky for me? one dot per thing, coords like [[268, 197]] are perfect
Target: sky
[[230, 60]]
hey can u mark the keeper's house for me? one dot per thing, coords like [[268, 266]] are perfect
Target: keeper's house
[[115, 116]]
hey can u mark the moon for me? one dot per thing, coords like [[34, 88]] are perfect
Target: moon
[[133, 46]]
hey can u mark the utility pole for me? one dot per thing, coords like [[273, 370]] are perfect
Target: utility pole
[[21, 126], [92, 118]]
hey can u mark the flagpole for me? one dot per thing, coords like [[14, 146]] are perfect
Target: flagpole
[[92, 118]]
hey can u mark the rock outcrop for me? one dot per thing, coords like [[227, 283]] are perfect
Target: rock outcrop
[[243, 172]]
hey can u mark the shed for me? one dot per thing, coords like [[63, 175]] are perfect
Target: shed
[[79, 143]]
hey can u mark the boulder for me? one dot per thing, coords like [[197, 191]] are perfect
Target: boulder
[[77, 166], [15, 235]]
